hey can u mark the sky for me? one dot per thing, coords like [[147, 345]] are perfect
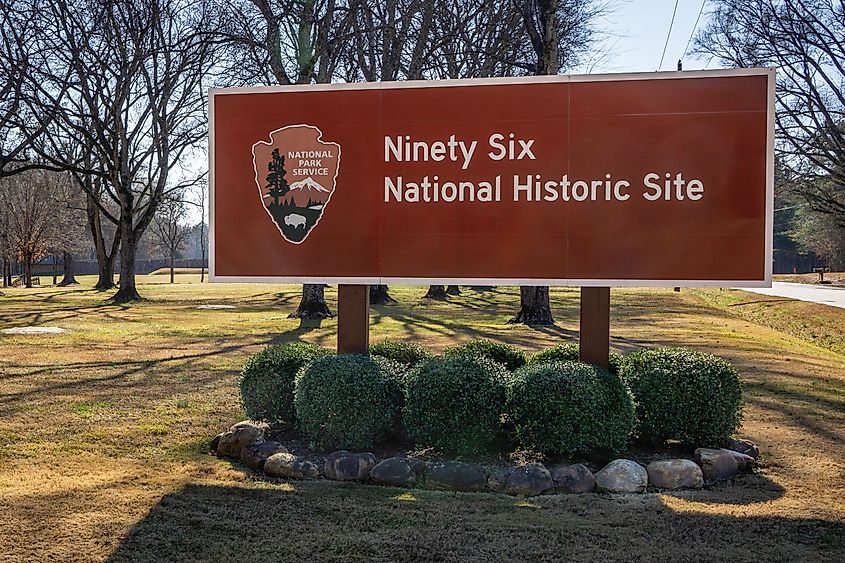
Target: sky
[[637, 32]]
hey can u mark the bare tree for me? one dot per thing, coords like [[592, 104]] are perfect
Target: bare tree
[[805, 41], [201, 193], [389, 41], [132, 76], [558, 32], [16, 55], [290, 42], [170, 230], [70, 234], [34, 216]]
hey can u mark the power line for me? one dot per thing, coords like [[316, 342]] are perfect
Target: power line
[[668, 35], [701, 11]]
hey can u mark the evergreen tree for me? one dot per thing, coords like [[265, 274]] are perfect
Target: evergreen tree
[[276, 178]]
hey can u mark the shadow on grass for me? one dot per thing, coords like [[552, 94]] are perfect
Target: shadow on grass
[[320, 521]]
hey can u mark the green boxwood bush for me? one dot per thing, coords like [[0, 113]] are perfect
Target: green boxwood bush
[[348, 401], [455, 403], [268, 377], [570, 408], [509, 356], [571, 353], [684, 395], [407, 353]]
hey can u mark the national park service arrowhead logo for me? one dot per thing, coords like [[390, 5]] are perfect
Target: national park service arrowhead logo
[[296, 175]]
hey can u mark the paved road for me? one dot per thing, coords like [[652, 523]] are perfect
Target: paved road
[[833, 296]]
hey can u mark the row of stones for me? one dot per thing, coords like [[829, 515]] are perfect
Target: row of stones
[[245, 441]]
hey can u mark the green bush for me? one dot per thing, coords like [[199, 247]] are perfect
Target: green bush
[[509, 356], [684, 395], [407, 353], [570, 408], [571, 353], [455, 403], [268, 377], [347, 401]]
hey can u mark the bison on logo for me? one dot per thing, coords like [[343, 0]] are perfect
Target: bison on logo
[[296, 174]]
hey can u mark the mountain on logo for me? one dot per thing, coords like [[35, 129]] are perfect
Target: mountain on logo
[[309, 184]]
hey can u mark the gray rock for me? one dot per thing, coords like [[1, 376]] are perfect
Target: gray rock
[[290, 466], [348, 466], [215, 442], [675, 474], [746, 447], [238, 436], [716, 463], [398, 472], [262, 426], [622, 476], [573, 479], [455, 476], [255, 454], [527, 480], [743, 462]]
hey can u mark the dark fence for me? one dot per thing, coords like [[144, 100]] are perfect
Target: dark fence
[[83, 267]]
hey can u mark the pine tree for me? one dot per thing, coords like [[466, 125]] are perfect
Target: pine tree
[[276, 178]]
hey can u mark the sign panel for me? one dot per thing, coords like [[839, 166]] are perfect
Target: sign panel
[[649, 179]]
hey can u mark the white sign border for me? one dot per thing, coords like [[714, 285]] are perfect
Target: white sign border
[[564, 78]]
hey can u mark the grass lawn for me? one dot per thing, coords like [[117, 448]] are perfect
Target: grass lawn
[[103, 433]]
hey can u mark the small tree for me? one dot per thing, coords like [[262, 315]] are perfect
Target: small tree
[[32, 216], [170, 230], [276, 178]]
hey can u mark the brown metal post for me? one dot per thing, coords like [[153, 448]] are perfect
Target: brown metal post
[[353, 319], [595, 326]]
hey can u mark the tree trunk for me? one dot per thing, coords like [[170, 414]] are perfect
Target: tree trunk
[[55, 269], [379, 295], [436, 292], [127, 291], [172, 276], [5, 276], [105, 273], [453, 290], [313, 304], [69, 275], [27, 270], [202, 245], [534, 306], [105, 259]]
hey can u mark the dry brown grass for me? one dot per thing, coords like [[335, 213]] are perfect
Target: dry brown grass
[[832, 278], [102, 434]]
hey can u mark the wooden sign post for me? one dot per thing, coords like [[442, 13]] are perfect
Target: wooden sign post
[[594, 339], [353, 319]]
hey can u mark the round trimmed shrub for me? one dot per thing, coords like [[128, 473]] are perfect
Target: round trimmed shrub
[[571, 353], [509, 356], [267, 380], [455, 403], [684, 395], [570, 408], [407, 353], [348, 401]]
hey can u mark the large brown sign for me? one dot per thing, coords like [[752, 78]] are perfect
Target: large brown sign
[[652, 179]]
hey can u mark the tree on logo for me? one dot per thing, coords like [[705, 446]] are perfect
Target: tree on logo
[[276, 178]]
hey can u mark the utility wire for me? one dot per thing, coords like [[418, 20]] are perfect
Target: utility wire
[[668, 35], [692, 33]]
